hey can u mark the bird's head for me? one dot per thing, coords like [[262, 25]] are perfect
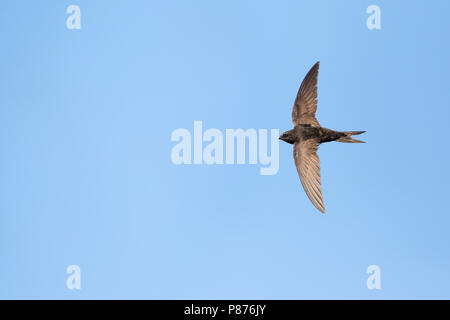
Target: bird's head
[[289, 137]]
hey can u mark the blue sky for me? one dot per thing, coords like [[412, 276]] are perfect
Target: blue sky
[[87, 179]]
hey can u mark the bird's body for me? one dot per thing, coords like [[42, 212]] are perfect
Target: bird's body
[[308, 134], [303, 132]]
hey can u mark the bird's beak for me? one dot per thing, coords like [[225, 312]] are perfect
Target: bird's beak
[[280, 137]]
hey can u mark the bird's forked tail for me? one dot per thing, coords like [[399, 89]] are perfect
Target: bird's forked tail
[[348, 137]]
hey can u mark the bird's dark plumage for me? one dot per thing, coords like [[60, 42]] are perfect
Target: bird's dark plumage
[[307, 135]]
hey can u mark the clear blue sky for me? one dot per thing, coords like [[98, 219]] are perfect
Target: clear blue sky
[[86, 177]]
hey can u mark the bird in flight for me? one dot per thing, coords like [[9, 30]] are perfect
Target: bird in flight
[[308, 134]]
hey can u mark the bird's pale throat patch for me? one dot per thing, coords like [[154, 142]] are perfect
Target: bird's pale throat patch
[[239, 147]]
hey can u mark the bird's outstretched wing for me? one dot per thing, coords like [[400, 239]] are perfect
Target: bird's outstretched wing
[[308, 168], [305, 105]]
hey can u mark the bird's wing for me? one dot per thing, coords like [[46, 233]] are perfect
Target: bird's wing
[[305, 105], [308, 168]]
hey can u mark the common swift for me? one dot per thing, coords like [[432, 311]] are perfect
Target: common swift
[[308, 134]]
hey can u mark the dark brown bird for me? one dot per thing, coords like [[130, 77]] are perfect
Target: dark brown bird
[[307, 135]]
